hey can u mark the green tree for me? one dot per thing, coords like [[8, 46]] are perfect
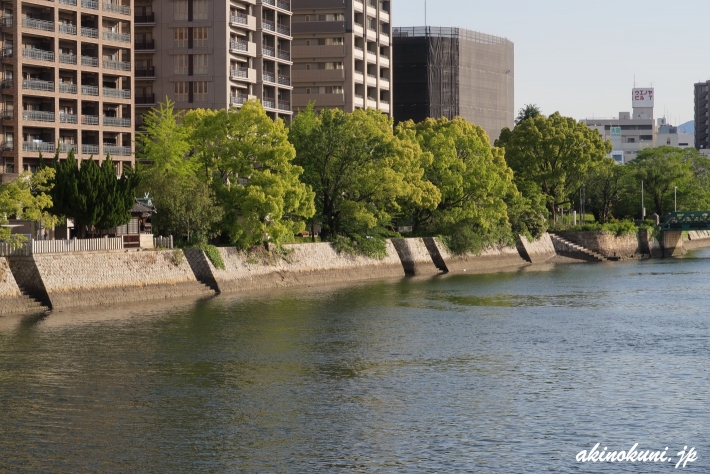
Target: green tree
[[27, 197], [527, 112], [250, 163], [553, 155], [361, 173], [605, 189], [165, 144]]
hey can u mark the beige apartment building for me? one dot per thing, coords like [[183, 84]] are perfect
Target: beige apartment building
[[66, 81], [342, 54], [213, 54]]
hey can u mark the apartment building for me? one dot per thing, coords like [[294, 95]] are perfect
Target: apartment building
[[702, 117], [213, 54], [66, 81], [342, 54]]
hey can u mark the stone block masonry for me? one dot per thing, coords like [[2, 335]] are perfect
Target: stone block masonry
[[12, 300], [416, 258], [493, 259], [605, 244], [102, 278], [538, 251]]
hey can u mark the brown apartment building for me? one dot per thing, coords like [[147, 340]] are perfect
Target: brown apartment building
[[213, 54], [66, 81], [342, 54]]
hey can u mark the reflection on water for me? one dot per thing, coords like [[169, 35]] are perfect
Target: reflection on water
[[493, 373]]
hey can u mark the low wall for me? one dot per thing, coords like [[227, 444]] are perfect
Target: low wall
[[416, 258], [493, 259], [697, 239], [607, 245], [100, 278], [303, 265], [12, 301], [539, 251]]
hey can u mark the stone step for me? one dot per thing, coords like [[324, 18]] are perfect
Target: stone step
[[579, 248]]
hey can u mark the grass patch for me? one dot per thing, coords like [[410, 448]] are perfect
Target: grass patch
[[213, 255]]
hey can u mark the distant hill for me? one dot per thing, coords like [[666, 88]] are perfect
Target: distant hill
[[687, 127]]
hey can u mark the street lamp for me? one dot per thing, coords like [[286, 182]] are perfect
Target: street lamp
[[675, 199]]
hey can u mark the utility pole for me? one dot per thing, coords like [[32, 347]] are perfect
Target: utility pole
[[643, 205], [675, 199]]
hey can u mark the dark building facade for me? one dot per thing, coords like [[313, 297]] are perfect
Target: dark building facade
[[702, 116], [449, 72]]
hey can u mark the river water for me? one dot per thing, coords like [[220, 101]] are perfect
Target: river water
[[492, 373]]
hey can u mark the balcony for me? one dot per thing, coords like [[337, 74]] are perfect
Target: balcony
[[67, 118], [284, 105], [39, 146], [67, 29], [268, 103], [236, 100], [66, 88], [87, 32], [284, 54], [89, 61], [37, 116], [147, 18], [116, 8], [89, 149], [68, 2], [283, 30], [146, 45], [117, 93], [239, 45], [6, 84], [239, 73], [90, 90], [116, 65], [38, 54], [7, 146], [67, 58], [6, 53], [90, 4], [239, 19], [8, 114], [109, 35], [269, 76], [117, 150], [38, 85], [284, 5], [269, 51], [41, 25], [117, 122], [145, 99], [6, 21], [284, 80], [90, 120], [149, 72], [67, 147]]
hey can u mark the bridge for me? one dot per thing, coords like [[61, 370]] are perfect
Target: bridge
[[678, 222]]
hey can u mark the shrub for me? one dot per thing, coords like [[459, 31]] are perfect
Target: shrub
[[213, 254]]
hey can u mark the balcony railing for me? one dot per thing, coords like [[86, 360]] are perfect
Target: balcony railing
[[7, 146], [67, 88], [269, 103], [284, 54], [89, 149], [67, 118], [115, 8], [284, 30], [147, 18], [67, 58], [238, 19], [38, 54], [109, 35], [6, 84], [144, 45], [68, 2], [150, 72], [91, 4], [38, 85], [90, 120], [37, 116], [238, 45], [89, 61], [284, 5], [67, 147], [90, 90], [239, 73], [269, 2], [145, 99], [284, 80], [117, 93], [117, 150], [6, 21], [268, 25], [67, 29], [6, 53], [8, 114], [269, 76], [284, 105], [117, 122], [89, 32], [117, 65], [269, 51], [39, 146], [238, 99], [42, 25]]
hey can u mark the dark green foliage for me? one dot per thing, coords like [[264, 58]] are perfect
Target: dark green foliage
[[213, 254]]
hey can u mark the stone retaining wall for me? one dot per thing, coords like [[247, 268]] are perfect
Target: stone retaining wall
[[12, 301], [607, 245], [697, 239], [99, 278], [302, 265], [539, 251], [493, 259], [416, 258]]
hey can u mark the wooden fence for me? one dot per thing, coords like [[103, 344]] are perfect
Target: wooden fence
[[32, 247]]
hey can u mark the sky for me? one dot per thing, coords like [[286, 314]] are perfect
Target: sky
[[580, 58]]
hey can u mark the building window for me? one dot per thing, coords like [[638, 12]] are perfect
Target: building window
[[199, 36], [200, 63], [334, 90], [181, 91], [180, 64], [199, 10], [371, 24], [337, 65], [180, 36], [180, 10], [200, 88]]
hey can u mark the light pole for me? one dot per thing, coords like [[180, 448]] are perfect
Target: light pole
[[675, 199], [643, 205]]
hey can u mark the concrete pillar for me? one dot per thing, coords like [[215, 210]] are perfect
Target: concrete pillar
[[672, 243]]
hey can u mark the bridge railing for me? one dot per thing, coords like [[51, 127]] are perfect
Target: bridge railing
[[690, 220]]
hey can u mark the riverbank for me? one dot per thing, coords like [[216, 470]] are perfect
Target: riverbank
[[41, 282]]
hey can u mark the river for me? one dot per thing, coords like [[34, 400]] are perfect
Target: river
[[498, 373]]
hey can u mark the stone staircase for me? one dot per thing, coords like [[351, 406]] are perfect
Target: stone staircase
[[569, 249], [32, 303]]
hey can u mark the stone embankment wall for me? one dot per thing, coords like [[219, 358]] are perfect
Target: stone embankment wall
[[416, 257], [109, 277], [538, 251], [301, 265], [697, 239], [493, 259], [607, 245], [12, 301]]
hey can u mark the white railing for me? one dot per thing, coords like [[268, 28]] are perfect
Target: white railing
[[113, 7], [38, 85], [67, 118], [90, 90], [74, 245], [117, 65], [114, 36], [41, 25], [89, 32], [117, 93], [67, 29], [67, 58], [36, 147], [93, 5], [67, 88], [117, 121], [37, 116], [89, 149], [9, 250], [89, 61], [163, 242], [38, 54], [117, 150]]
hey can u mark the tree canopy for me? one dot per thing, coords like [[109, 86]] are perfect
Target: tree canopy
[[527, 112]]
